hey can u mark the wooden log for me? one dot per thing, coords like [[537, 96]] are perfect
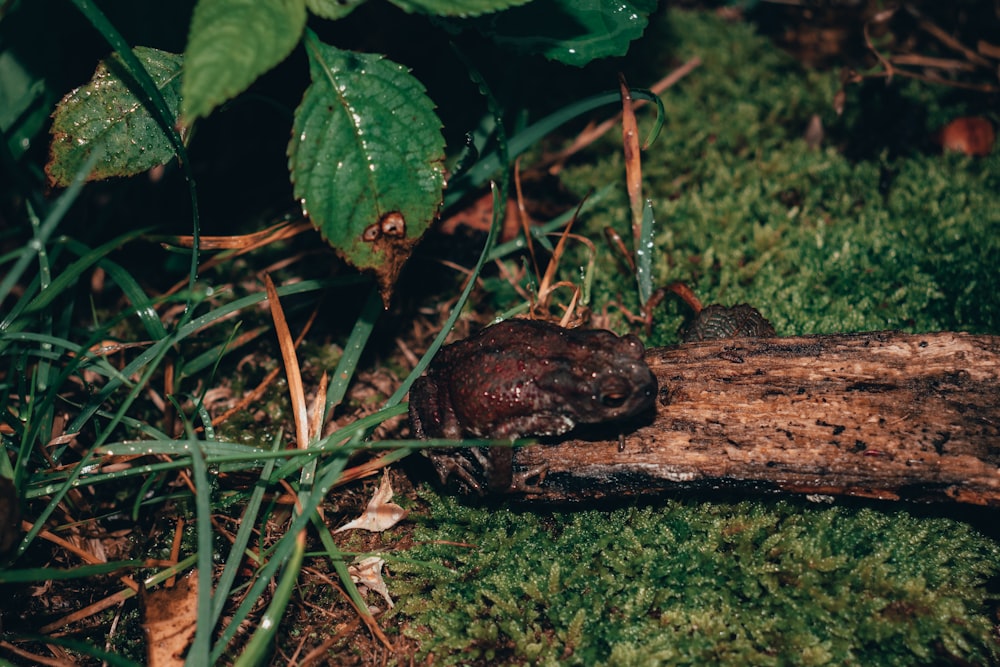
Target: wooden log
[[882, 415]]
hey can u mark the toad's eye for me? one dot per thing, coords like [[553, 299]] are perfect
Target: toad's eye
[[614, 392], [614, 399]]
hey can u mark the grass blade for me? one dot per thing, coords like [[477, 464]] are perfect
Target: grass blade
[[158, 108], [46, 229], [198, 653]]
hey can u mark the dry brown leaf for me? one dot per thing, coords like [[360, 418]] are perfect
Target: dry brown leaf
[[367, 573], [380, 514], [970, 135], [170, 618]]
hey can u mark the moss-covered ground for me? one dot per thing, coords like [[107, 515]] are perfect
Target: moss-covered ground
[[698, 583], [820, 242], [747, 211]]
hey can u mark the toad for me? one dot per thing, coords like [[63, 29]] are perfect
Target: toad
[[525, 378]]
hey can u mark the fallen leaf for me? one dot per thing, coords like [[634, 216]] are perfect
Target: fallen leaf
[[478, 216], [170, 615], [971, 135], [367, 573], [380, 514]]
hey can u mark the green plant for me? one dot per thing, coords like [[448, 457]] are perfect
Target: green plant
[[366, 154]]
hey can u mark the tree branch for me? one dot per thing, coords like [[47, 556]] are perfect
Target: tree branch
[[883, 415]]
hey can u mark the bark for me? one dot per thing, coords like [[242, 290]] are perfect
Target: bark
[[883, 415]]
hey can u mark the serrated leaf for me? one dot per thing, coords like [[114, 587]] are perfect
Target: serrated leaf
[[105, 112], [333, 9], [571, 31], [231, 43], [366, 158], [456, 7]]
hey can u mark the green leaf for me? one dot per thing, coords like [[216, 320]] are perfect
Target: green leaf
[[366, 158], [105, 112], [333, 9], [28, 53], [456, 7], [571, 31], [231, 43]]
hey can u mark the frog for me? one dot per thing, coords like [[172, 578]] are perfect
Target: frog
[[525, 378]]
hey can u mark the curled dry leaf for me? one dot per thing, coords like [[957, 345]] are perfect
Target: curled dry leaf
[[971, 135], [367, 573], [380, 514]]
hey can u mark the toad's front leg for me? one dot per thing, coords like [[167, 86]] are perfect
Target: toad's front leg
[[503, 479]]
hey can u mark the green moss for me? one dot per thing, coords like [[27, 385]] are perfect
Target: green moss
[[746, 211], [698, 583]]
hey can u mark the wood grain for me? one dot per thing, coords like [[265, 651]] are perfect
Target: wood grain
[[883, 415]]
